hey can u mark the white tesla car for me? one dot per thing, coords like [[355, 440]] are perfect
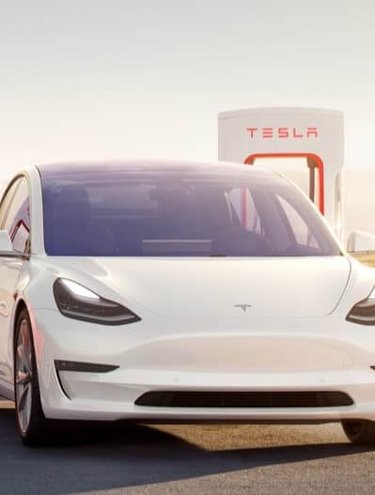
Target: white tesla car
[[179, 292]]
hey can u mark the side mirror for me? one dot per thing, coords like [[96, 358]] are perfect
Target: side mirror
[[6, 248], [361, 242], [362, 246], [5, 242]]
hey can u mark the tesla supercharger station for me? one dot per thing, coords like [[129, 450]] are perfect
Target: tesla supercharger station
[[307, 143]]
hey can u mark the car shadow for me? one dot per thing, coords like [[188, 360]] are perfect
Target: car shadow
[[95, 456]]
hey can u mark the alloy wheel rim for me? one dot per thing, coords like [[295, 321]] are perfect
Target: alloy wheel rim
[[23, 376]]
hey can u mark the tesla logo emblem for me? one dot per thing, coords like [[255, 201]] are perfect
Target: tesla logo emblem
[[244, 307], [282, 132]]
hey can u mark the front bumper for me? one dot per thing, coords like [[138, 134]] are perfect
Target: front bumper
[[321, 354]]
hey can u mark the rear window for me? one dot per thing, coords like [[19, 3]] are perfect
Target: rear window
[[184, 212]]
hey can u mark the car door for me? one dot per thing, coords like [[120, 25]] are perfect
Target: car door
[[15, 219]]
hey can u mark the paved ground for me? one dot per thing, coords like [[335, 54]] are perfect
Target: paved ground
[[203, 460]]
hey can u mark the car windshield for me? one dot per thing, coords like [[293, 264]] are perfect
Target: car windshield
[[178, 211]]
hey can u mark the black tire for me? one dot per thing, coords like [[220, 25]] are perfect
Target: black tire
[[360, 432], [31, 422]]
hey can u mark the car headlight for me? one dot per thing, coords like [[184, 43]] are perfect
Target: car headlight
[[364, 311], [80, 303]]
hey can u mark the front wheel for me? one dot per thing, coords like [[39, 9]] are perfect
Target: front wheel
[[31, 422], [360, 432]]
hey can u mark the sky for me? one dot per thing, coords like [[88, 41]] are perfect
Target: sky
[[102, 79]]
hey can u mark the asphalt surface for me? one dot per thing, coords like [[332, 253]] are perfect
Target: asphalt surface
[[116, 459]]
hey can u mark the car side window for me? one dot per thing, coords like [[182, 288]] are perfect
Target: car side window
[[6, 200], [301, 231], [243, 205], [15, 215]]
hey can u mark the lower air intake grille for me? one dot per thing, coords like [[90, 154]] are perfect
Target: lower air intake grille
[[244, 399]]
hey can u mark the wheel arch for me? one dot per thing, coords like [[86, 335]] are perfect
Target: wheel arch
[[21, 304]]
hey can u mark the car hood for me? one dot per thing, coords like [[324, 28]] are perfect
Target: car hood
[[217, 287]]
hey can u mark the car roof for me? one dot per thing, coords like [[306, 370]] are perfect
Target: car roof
[[55, 170]]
